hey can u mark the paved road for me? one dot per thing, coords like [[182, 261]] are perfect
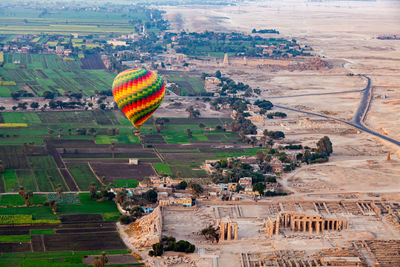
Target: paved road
[[355, 125], [364, 104]]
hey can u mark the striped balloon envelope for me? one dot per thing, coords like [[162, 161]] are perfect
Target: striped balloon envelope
[[138, 93]]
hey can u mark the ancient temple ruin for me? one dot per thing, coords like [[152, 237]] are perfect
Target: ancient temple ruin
[[305, 223]]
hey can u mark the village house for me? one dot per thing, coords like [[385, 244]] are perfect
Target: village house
[[246, 183]]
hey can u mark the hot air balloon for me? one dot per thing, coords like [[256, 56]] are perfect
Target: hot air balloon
[[138, 93]]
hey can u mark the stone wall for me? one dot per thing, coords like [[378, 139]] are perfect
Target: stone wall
[[147, 230]]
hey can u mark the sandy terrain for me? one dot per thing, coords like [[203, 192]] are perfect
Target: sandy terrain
[[343, 31], [344, 34]]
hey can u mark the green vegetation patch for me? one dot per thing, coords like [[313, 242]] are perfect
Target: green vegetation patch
[[129, 183], [21, 117], [17, 200], [83, 175], [89, 206], [186, 84], [162, 168], [42, 232], [25, 178], [10, 180], [42, 162], [52, 258], [247, 152], [15, 238], [17, 219]]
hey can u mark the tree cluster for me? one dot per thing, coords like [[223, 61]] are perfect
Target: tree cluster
[[168, 243]]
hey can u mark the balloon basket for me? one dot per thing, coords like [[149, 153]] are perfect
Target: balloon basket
[[137, 133]]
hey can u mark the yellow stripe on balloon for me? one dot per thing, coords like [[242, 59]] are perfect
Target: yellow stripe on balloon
[[129, 90]]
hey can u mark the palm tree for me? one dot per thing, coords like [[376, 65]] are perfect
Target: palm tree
[[59, 190], [21, 191], [53, 205], [92, 190], [112, 148], [121, 196], [28, 197], [103, 258]]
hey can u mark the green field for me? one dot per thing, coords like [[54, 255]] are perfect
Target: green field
[[90, 206], [42, 231], [18, 20], [129, 183], [162, 168], [15, 238], [38, 172], [42, 162], [37, 213], [187, 84], [83, 175], [16, 200], [49, 258], [107, 208], [10, 180], [42, 72]]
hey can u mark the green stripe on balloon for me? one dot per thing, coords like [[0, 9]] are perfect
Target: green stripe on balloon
[[137, 116], [154, 88]]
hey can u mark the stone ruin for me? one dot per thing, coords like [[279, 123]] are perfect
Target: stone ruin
[[170, 261], [305, 223], [147, 230]]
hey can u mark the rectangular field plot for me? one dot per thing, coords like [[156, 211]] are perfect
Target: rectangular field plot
[[42, 231], [187, 171], [25, 178], [49, 258], [67, 117], [85, 241], [17, 200], [48, 180], [13, 157], [153, 139], [10, 180], [21, 117], [162, 168], [118, 139], [88, 206], [42, 162], [15, 238], [50, 73], [37, 213], [186, 84], [128, 183], [122, 171], [83, 175]]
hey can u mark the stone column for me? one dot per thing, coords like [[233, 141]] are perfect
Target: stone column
[[304, 225], [229, 231], [222, 230], [276, 228], [317, 226], [310, 225], [236, 231]]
